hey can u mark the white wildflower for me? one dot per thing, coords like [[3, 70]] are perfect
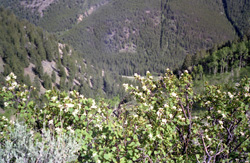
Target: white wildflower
[[125, 86], [164, 121], [173, 94], [166, 105], [237, 84], [136, 75], [135, 116], [12, 75], [14, 84], [186, 71], [159, 112], [246, 88], [144, 88], [58, 130], [93, 105], [219, 111], [220, 122], [230, 95], [247, 94], [140, 94], [7, 78], [207, 137], [4, 89], [70, 129], [53, 98], [69, 105], [66, 98], [51, 122], [159, 136], [75, 112], [170, 116], [6, 104], [179, 116], [174, 107], [150, 136], [11, 88], [207, 103], [103, 136], [94, 154]]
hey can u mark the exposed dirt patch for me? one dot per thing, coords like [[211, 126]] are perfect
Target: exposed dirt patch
[[1, 65], [38, 5]]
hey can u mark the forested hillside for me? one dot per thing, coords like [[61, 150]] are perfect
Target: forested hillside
[[40, 60], [238, 12], [135, 36], [224, 64]]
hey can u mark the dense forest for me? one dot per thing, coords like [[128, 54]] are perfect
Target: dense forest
[[40, 60], [130, 37], [229, 58]]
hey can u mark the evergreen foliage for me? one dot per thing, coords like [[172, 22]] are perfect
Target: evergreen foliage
[[23, 44]]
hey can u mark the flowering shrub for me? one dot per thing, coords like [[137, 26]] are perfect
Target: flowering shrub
[[160, 127]]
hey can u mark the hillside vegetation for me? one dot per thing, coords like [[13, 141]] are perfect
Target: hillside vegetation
[[135, 36], [159, 127], [238, 13], [139, 35], [40, 60]]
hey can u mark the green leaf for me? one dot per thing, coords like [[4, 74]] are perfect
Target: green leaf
[[108, 156]]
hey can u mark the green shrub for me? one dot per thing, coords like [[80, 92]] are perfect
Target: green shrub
[[160, 127]]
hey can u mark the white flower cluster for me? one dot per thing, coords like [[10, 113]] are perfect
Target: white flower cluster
[[70, 129], [163, 121], [6, 104], [246, 88], [159, 112], [237, 84], [75, 112], [230, 95], [93, 105], [125, 86], [67, 106], [173, 94]]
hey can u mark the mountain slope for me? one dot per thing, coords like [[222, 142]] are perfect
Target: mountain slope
[[238, 13], [38, 59], [135, 36], [138, 35]]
